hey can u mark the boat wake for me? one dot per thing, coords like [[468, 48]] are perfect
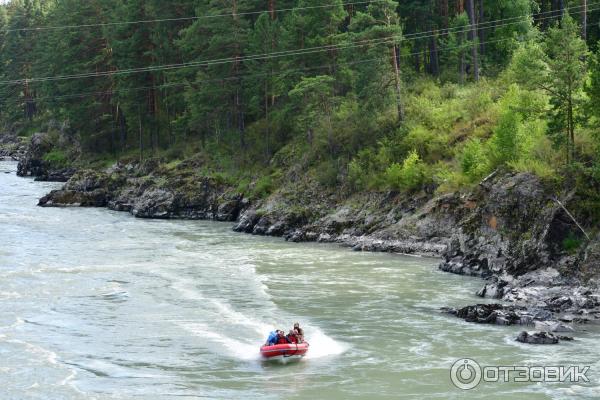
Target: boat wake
[[238, 332], [322, 345]]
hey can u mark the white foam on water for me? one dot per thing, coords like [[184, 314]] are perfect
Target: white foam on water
[[223, 344], [69, 378], [228, 314], [322, 345], [18, 322], [47, 355], [219, 322], [9, 295]]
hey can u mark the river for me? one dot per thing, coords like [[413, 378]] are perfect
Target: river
[[99, 305]]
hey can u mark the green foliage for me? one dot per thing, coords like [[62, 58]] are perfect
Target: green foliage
[[411, 174], [571, 243], [327, 173], [307, 90], [557, 66], [537, 167], [430, 142], [504, 144], [56, 158], [263, 187], [473, 160]]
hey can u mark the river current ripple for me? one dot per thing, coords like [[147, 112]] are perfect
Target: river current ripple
[[99, 305]]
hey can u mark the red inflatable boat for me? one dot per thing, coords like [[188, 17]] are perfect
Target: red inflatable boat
[[284, 352]]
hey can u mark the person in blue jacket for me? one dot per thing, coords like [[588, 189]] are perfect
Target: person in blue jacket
[[273, 337]]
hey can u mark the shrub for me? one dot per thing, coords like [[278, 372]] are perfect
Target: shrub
[[357, 176], [367, 169], [448, 180], [327, 173], [473, 160], [431, 144], [56, 158], [504, 144], [263, 187], [537, 167], [571, 243], [407, 176]]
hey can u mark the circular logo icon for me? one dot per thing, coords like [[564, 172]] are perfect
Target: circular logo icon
[[465, 374]]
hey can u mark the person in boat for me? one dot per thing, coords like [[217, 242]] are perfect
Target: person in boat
[[272, 339], [300, 332], [292, 337], [281, 338]]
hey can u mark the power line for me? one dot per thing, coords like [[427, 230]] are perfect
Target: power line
[[442, 31], [180, 19], [517, 19], [233, 78], [295, 52]]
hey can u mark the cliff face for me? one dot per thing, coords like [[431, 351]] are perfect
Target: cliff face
[[12, 148], [510, 224], [513, 225], [32, 162], [510, 230]]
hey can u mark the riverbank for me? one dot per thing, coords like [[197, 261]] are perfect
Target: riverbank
[[510, 230]]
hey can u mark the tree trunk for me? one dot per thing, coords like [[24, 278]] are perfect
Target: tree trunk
[[122, 129], [140, 133], [398, 84], [267, 120], [445, 13], [434, 68], [272, 11], [481, 29], [571, 127], [416, 59], [168, 111], [238, 111], [461, 66], [30, 106], [473, 38], [558, 8], [584, 19]]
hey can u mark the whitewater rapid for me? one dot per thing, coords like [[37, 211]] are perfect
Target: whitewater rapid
[[96, 304]]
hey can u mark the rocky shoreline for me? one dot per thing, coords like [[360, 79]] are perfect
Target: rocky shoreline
[[509, 230], [12, 148]]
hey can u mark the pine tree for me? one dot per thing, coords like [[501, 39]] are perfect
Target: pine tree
[[19, 57], [558, 67], [86, 104], [218, 100], [379, 30]]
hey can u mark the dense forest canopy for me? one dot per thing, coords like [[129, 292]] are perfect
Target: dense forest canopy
[[378, 94]]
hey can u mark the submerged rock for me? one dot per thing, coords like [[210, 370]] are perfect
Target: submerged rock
[[85, 189], [65, 198], [537, 338], [154, 203], [491, 314], [32, 162]]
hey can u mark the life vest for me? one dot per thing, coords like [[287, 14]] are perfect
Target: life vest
[[292, 339], [272, 338], [282, 340]]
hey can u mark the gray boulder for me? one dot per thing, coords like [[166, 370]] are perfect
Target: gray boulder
[[537, 338]]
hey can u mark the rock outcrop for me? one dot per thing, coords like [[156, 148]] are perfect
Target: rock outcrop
[[513, 226], [158, 195], [85, 189], [12, 147], [541, 338], [509, 230], [32, 162]]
